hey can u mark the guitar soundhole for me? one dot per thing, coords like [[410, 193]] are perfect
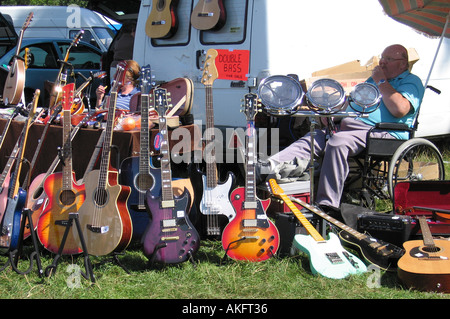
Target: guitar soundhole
[[38, 193], [161, 5], [67, 197], [431, 249], [100, 196], [144, 182]]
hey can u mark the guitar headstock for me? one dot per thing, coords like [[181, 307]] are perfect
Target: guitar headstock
[[27, 21], [146, 79], [276, 190], [210, 73], [77, 38], [160, 99], [251, 106], [67, 96], [119, 78]]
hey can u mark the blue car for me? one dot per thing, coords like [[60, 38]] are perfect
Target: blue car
[[44, 65]]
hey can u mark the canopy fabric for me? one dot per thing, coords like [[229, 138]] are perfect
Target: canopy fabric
[[427, 16]]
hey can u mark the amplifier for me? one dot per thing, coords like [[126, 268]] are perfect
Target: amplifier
[[394, 229], [288, 226]]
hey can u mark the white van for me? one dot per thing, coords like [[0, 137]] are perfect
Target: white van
[[290, 37], [61, 22]]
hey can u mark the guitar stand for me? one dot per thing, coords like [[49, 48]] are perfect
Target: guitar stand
[[115, 260], [87, 263]]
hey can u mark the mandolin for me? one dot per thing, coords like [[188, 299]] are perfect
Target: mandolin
[[162, 21], [425, 265], [209, 15], [64, 195], [10, 216], [327, 257], [215, 207], [251, 235], [170, 237], [15, 81], [104, 217]]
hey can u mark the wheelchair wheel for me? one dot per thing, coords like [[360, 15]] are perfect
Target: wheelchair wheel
[[415, 160]]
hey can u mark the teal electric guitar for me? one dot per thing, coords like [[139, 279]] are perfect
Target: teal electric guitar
[[327, 257]]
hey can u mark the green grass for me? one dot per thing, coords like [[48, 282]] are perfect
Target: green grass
[[208, 278]]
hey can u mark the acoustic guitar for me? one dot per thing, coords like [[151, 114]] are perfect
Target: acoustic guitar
[[15, 81], [209, 15], [162, 23], [170, 237], [10, 216], [327, 257], [215, 206], [372, 250], [104, 217], [65, 196], [251, 235], [138, 171], [426, 264]]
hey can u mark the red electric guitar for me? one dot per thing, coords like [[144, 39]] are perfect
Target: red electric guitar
[[250, 235], [65, 196], [104, 217]]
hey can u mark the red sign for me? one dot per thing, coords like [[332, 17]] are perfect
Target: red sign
[[233, 64]]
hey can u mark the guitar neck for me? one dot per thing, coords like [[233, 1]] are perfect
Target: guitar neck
[[303, 220], [67, 152], [211, 168], [250, 181], [166, 172], [426, 232], [144, 157]]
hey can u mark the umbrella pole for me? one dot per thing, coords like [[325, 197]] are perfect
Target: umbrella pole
[[437, 50]]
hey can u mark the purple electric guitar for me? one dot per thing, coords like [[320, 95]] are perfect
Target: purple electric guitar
[[170, 236]]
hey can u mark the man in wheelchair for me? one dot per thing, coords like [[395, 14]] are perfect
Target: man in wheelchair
[[402, 94]]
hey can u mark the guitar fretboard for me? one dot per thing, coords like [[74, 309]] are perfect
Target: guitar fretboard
[[210, 158]]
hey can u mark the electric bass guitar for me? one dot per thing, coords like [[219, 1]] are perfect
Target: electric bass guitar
[[251, 235], [65, 196], [10, 216], [15, 81], [104, 217], [215, 207], [327, 257], [426, 264], [372, 250], [170, 236], [209, 15], [137, 171], [162, 21]]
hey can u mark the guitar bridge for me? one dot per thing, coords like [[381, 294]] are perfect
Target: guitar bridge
[[334, 258], [98, 229]]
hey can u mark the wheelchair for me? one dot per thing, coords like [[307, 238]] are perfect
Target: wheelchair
[[386, 162]]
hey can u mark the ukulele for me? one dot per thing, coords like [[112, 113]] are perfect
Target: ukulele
[[372, 250], [162, 21], [10, 216], [426, 265], [137, 171], [64, 195], [209, 15], [15, 81], [250, 235], [215, 206], [104, 217], [170, 236], [327, 257]]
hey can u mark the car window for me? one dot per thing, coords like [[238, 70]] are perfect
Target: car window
[[105, 35], [81, 56], [87, 37], [41, 56]]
